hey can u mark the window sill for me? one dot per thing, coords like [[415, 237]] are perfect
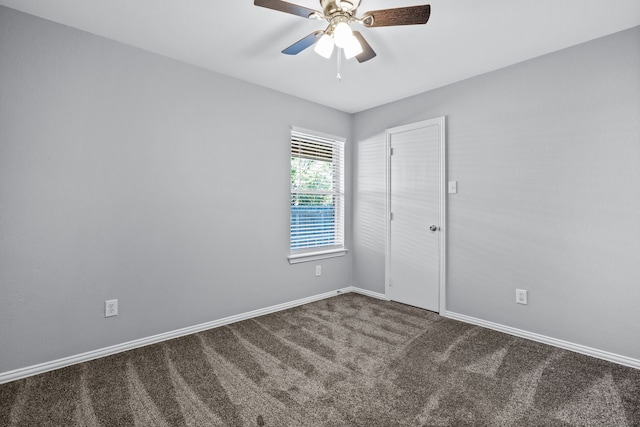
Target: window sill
[[317, 255]]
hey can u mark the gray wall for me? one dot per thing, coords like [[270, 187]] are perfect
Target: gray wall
[[128, 175], [125, 175], [547, 158]]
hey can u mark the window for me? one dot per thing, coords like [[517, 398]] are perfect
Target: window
[[317, 196]]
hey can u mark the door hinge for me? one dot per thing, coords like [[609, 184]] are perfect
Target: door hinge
[[391, 151]]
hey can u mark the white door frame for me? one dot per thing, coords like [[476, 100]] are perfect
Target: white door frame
[[442, 276]]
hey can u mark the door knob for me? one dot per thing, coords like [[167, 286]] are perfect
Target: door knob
[[433, 228]]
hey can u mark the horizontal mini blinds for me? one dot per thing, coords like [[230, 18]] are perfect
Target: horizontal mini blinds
[[317, 192]]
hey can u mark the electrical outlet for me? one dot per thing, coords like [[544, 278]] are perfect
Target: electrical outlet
[[111, 308], [318, 270], [521, 296]]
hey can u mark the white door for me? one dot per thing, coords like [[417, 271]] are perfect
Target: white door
[[415, 240]]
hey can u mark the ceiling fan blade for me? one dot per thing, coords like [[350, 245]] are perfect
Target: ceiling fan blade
[[283, 6], [401, 16], [367, 52], [303, 43]]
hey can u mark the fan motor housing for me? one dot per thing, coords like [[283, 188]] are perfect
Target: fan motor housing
[[331, 7]]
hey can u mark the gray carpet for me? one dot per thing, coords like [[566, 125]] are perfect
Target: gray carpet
[[344, 361]]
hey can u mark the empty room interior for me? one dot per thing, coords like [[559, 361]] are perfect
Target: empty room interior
[[178, 248]]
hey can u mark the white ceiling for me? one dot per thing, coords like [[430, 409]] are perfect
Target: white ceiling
[[463, 38]]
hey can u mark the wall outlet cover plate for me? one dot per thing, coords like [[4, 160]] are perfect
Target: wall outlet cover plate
[[521, 296], [111, 308]]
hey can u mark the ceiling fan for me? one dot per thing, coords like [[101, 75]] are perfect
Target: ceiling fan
[[339, 14]]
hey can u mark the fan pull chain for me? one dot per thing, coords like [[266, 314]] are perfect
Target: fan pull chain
[[339, 55]]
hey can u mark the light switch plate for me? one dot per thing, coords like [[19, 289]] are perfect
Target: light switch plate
[[453, 187]]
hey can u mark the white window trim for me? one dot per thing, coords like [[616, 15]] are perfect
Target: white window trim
[[316, 255]]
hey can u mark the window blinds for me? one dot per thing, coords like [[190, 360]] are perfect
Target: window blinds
[[317, 192]]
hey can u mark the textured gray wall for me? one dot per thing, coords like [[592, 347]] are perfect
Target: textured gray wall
[[547, 158], [116, 182], [128, 175]]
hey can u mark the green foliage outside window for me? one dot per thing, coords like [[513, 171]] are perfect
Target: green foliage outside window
[[311, 175]]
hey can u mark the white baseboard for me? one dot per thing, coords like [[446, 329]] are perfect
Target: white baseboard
[[367, 293], [578, 348], [41, 368]]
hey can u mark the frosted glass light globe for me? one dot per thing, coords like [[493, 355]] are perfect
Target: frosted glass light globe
[[324, 46], [342, 34], [353, 48]]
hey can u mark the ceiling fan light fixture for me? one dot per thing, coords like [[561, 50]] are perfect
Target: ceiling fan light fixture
[[324, 46], [353, 48], [342, 34], [340, 14]]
